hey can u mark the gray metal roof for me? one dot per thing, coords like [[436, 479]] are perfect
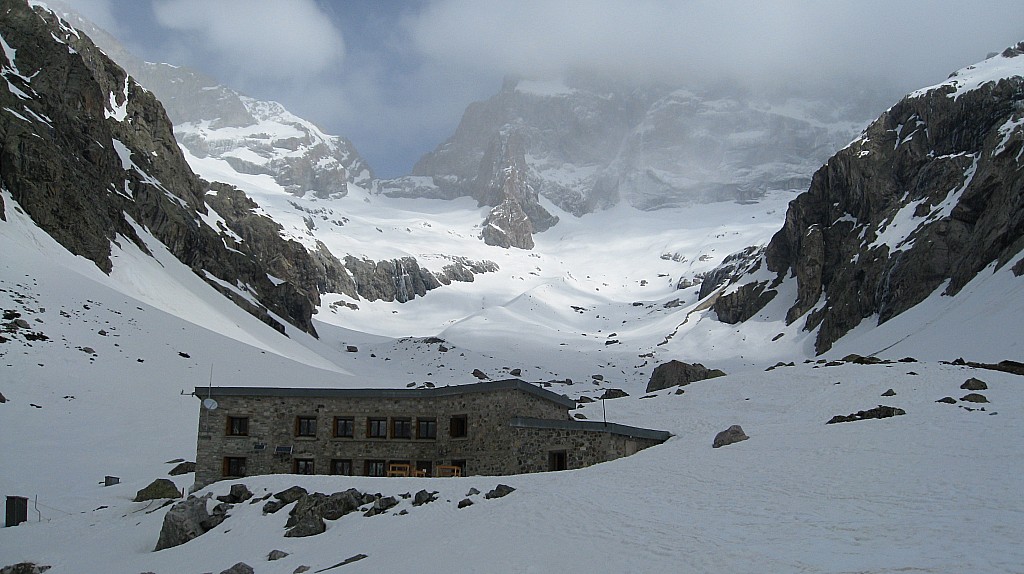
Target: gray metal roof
[[590, 426], [484, 387]]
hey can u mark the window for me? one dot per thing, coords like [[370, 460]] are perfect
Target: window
[[341, 466], [234, 466], [426, 429], [238, 426], [459, 426], [344, 427], [401, 428], [375, 468], [377, 428], [304, 466], [557, 460], [305, 426]]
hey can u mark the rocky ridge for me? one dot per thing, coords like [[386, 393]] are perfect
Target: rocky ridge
[[928, 197], [92, 158]]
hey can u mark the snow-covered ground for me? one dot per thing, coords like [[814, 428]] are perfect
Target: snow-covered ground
[[935, 490]]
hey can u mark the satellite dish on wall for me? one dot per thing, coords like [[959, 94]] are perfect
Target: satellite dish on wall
[[210, 404]]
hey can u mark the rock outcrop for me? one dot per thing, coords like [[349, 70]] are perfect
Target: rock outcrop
[[187, 520], [930, 194], [677, 373], [159, 488], [731, 435]]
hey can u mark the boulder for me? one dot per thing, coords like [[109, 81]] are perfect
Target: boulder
[[973, 384], [276, 555], [614, 394], [677, 373], [382, 505], [238, 493], [480, 374], [309, 525], [186, 520], [3, 399], [947, 400], [879, 412], [974, 398], [240, 568], [465, 502], [291, 494], [889, 393], [159, 488], [499, 491], [422, 497], [729, 436], [183, 468]]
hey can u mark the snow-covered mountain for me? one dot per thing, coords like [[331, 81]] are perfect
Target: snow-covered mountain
[[96, 349], [588, 145]]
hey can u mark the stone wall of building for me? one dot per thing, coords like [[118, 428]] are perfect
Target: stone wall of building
[[536, 449], [272, 421]]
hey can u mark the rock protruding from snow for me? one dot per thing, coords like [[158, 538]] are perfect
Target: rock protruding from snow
[[159, 488], [499, 491], [973, 384], [189, 519], [731, 435], [879, 412], [677, 373], [239, 568]]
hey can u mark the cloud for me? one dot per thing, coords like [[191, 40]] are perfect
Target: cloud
[[705, 40], [271, 40]]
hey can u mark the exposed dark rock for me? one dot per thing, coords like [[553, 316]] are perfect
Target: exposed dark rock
[[239, 568], [502, 183], [480, 374], [614, 394], [301, 569], [276, 555], [382, 505], [183, 468], [677, 373], [879, 412], [187, 520], [290, 495], [472, 492], [948, 165], [499, 491], [729, 436], [159, 488], [974, 398], [3, 399], [947, 400], [889, 393], [423, 497], [465, 502], [238, 493], [973, 384], [516, 372], [308, 525], [24, 568], [861, 360]]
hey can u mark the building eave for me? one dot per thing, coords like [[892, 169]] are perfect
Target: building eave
[[453, 390]]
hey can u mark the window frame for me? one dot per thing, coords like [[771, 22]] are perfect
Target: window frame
[[351, 426], [239, 429], [463, 426], [403, 423], [232, 463], [376, 427], [336, 462], [304, 466], [370, 464], [431, 425], [302, 425]]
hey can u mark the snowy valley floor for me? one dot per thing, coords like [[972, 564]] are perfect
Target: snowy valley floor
[[935, 490]]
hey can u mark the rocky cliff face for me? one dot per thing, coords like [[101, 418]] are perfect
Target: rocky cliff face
[[588, 145], [256, 137], [90, 156], [929, 196]]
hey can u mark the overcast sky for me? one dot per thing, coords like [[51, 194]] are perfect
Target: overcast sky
[[395, 76]]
